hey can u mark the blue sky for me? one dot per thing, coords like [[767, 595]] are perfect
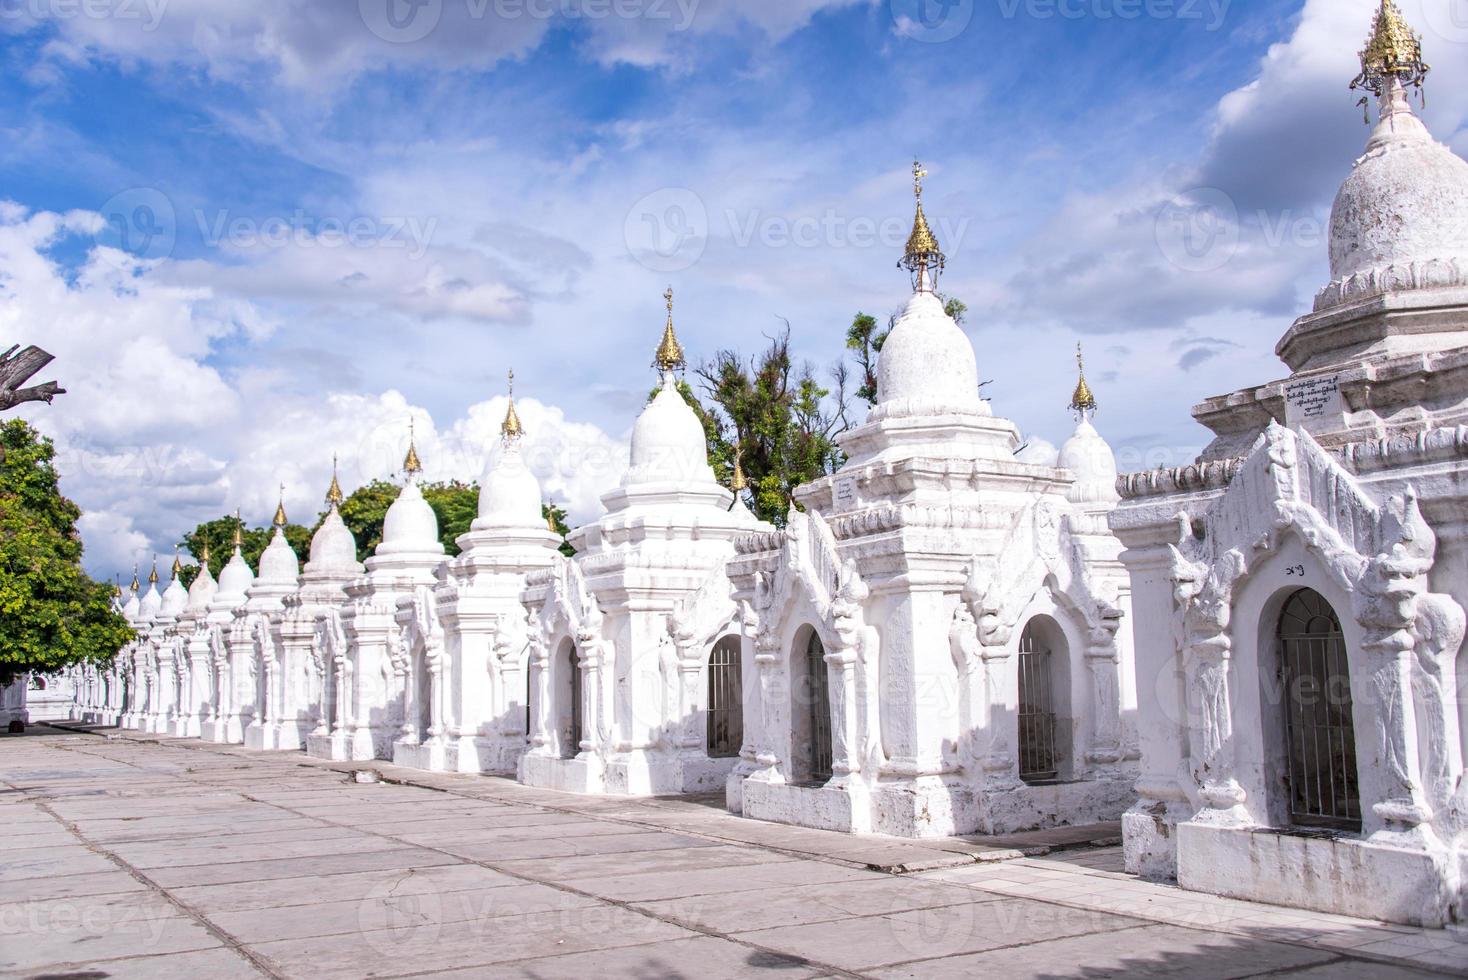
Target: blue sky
[[258, 234]]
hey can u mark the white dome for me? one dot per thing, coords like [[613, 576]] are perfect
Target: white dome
[[132, 608], [235, 578], [411, 527], [510, 493], [175, 600], [1400, 220], [278, 564], [1093, 464], [151, 603], [333, 548], [668, 442], [202, 592], [927, 365]]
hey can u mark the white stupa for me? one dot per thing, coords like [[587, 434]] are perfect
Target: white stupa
[[235, 580], [410, 530], [175, 597], [151, 603], [1086, 454], [1400, 220]]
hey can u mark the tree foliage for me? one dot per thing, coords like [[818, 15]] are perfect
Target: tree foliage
[[864, 341], [218, 534], [777, 415], [783, 421], [54, 614], [364, 512]]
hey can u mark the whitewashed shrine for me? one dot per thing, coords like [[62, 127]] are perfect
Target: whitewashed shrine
[[1299, 590]]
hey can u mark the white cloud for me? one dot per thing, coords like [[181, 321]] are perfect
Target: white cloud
[[315, 45], [153, 437]]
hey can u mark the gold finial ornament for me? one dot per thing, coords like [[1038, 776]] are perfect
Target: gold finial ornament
[[153, 575], [280, 519], [1393, 52], [1083, 401], [670, 353], [177, 566], [412, 465], [740, 482], [923, 258], [136, 586], [511, 428], [550, 518], [239, 531], [204, 555], [334, 495]]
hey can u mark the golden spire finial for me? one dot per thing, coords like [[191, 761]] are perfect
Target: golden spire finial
[[1083, 401], [280, 519], [136, 586], [1394, 51], [412, 465], [550, 517], [739, 483], [923, 258], [670, 353], [511, 428], [239, 530], [334, 495], [116, 587], [204, 555], [177, 565], [153, 575]]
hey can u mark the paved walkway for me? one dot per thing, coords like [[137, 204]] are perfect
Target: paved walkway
[[132, 856]]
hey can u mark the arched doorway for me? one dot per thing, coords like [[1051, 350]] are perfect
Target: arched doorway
[[1320, 733], [813, 704], [725, 706], [1039, 759], [572, 730]]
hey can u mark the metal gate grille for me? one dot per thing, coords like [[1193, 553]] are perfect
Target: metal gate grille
[[726, 701], [1037, 761], [572, 748], [1318, 716], [818, 689]]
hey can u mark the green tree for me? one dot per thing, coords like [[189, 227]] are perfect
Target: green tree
[[364, 511], [864, 340], [455, 504], [556, 518], [218, 535], [54, 614], [779, 417]]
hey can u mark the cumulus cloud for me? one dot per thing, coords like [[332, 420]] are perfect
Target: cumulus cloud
[[308, 44], [1287, 139], [1242, 227], [154, 437]]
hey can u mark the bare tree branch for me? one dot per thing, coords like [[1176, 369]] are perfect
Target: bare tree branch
[[16, 369]]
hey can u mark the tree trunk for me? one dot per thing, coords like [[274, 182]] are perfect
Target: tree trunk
[[16, 369]]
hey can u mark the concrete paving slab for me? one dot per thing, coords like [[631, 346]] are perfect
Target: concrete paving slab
[[676, 859], [805, 904], [51, 862], [381, 857], [215, 964], [302, 893], [497, 852], [644, 886], [875, 941], [426, 945], [396, 905], [82, 930], [704, 956]]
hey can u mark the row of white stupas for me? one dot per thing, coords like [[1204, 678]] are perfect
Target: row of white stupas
[[942, 640]]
